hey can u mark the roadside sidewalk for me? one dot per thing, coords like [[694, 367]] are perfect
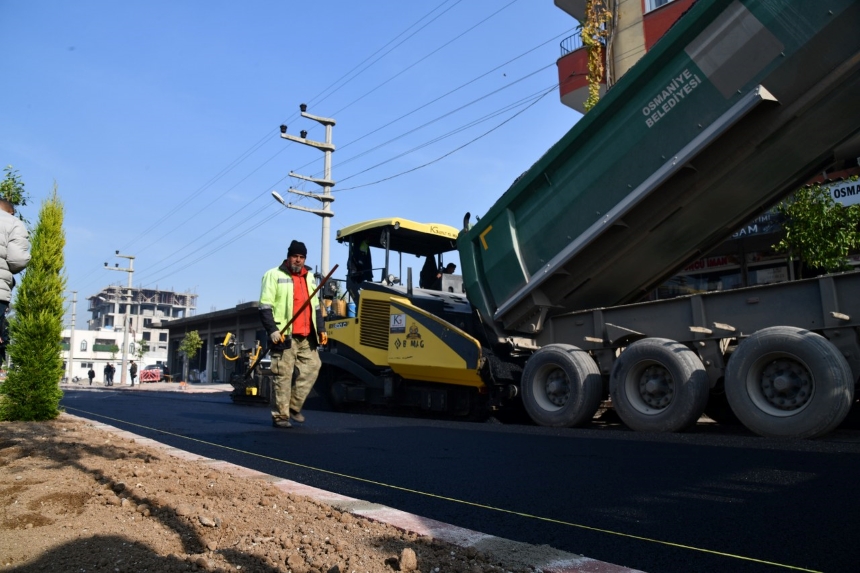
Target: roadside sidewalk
[[149, 386]]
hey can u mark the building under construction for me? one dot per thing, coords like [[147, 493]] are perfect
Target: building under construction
[[149, 310]]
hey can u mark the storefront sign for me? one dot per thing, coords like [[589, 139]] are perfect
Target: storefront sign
[[768, 222], [846, 192], [711, 264]]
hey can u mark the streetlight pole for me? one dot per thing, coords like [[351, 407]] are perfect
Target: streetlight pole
[[130, 271], [326, 183]]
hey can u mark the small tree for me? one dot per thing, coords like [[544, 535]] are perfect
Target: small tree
[[12, 188], [31, 390], [140, 349], [189, 346], [818, 230]]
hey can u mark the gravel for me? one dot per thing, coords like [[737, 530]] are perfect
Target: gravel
[[77, 498]]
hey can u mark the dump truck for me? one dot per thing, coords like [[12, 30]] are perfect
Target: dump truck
[[740, 103]]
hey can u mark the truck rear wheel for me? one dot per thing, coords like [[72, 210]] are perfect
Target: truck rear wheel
[[658, 385], [789, 382], [561, 386]]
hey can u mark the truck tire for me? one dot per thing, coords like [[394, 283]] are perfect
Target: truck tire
[[658, 385], [561, 386], [789, 382]]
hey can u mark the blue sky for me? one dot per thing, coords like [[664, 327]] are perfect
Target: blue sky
[[158, 122]]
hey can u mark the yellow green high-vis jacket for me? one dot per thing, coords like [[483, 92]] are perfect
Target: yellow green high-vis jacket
[[276, 305]]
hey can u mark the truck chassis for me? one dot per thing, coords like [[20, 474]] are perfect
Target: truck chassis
[[787, 356]]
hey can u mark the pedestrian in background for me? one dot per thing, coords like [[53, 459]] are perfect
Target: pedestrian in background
[[133, 371], [285, 291], [14, 257], [107, 374], [91, 374], [111, 372]]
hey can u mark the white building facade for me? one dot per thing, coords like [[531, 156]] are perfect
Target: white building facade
[[149, 312]]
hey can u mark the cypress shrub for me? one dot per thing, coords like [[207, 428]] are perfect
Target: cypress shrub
[[32, 390]]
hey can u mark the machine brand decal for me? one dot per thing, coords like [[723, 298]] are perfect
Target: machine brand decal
[[680, 87], [467, 350], [398, 323], [336, 325], [412, 340], [414, 337]]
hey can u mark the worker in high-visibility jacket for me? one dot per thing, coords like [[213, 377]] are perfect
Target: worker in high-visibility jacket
[[284, 290]]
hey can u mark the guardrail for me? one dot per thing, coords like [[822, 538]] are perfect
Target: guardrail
[[571, 43]]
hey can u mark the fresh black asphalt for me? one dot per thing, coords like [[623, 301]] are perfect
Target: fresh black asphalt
[[706, 500]]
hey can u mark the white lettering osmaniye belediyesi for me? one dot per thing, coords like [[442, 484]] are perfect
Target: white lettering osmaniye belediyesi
[[679, 88]]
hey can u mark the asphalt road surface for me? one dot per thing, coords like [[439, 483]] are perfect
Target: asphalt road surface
[[707, 500]]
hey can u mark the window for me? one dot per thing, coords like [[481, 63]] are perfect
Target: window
[[654, 4], [162, 337], [83, 345], [146, 336], [131, 347]]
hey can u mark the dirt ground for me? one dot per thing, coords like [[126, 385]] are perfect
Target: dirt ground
[[77, 498]]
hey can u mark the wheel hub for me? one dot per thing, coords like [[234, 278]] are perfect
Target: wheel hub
[[786, 385], [557, 388], [656, 387]]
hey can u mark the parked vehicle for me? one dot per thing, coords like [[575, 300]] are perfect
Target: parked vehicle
[[161, 369]]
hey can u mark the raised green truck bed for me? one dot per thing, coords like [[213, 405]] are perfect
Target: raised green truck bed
[[739, 104]]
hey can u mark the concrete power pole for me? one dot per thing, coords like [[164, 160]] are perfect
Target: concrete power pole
[[130, 271], [72, 335], [326, 183]]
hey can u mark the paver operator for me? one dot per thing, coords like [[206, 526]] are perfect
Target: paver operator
[[284, 290]]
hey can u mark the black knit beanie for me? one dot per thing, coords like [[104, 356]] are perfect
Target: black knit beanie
[[297, 248]]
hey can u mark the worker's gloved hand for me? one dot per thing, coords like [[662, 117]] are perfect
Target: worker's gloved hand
[[276, 337], [323, 338]]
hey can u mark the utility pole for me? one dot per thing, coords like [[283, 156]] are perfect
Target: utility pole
[[72, 335], [326, 183], [130, 271]]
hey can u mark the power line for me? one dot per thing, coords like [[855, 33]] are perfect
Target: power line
[[261, 142], [427, 104], [232, 214], [454, 150], [407, 68], [256, 146], [438, 118], [450, 92], [312, 100]]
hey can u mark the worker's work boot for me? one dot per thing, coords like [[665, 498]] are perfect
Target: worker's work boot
[[281, 423], [297, 416]]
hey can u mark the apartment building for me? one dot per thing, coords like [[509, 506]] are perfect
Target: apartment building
[[149, 313]]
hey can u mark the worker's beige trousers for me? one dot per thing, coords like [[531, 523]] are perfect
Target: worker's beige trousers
[[304, 358]]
